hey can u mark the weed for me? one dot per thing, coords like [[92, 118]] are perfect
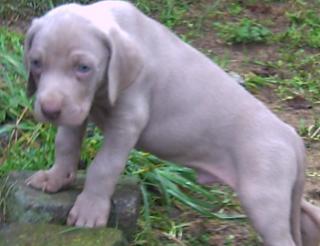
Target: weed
[[310, 132], [246, 31], [169, 12], [304, 29], [235, 9], [167, 178], [230, 240], [294, 76], [4, 193], [24, 9], [254, 82]]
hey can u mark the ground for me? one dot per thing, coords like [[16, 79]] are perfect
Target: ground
[[279, 65]]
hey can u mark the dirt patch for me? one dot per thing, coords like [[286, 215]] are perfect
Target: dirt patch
[[221, 233], [240, 57]]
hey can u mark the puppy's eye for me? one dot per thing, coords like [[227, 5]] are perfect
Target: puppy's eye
[[83, 68], [36, 64]]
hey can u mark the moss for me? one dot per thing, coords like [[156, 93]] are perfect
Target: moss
[[52, 235]]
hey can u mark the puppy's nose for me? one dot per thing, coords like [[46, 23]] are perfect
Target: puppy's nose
[[51, 111]]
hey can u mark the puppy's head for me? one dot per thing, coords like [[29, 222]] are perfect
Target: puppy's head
[[70, 59]]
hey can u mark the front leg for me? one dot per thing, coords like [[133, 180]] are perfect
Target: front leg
[[92, 206], [67, 155]]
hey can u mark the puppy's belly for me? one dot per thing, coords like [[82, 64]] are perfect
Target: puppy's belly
[[205, 178], [211, 173], [211, 168]]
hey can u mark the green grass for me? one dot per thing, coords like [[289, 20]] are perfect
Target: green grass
[[304, 29], [295, 77], [169, 12], [23, 9], [243, 32], [168, 188], [311, 131]]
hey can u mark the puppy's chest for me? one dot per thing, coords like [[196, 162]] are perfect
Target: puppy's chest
[[99, 115]]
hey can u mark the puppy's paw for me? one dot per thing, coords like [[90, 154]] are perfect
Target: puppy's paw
[[89, 211], [50, 180]]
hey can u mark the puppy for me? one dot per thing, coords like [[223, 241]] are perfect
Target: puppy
[[145, 88]]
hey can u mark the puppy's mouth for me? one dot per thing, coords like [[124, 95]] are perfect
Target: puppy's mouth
[[74, 116]]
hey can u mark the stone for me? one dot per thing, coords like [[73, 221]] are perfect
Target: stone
[[53, 235], [24, 204], [237, 77], [4, 138]]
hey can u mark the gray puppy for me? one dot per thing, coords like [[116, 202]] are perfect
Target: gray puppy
[[145, 88]]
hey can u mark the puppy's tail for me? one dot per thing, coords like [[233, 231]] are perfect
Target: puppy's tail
[[310, 224]]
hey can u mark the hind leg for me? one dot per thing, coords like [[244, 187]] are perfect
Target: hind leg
[[268, 180], [268, 209], [310, 224]]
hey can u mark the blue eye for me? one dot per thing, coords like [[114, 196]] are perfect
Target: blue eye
[[82, 68]]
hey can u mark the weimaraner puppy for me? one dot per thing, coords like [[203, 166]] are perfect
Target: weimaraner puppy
[[143, 87]]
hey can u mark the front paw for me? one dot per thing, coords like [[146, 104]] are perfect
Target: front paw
[[89, 210], [50, 180]]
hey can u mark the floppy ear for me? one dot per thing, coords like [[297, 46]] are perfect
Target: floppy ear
[[125, 62], [31, 85]]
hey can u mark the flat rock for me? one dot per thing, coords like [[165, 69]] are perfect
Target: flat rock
[[53, 235], [24, 204]]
